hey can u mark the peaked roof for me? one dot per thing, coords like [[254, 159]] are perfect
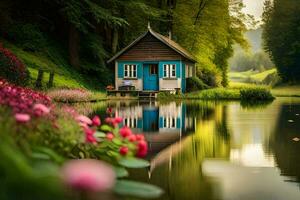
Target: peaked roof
[[170, 43]]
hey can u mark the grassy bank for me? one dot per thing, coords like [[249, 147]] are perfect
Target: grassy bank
[[54, 58]]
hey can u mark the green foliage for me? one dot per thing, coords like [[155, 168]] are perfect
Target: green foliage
[[28, 36], [282, 38], [195, 84], [142, 190], [256, 93], [258, 61], [216, 94]]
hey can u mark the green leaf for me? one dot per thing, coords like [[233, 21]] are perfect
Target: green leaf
[[133, 163], [48, 152], [99, 134], [137, 189], [117, 141], [106, 128], [121, 172]]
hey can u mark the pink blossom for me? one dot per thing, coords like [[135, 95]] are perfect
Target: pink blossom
[[84, 119], [96, 121], [131, 138], [110, 136], [118, 120], [22, 118], [41, 109], [125, 131], [89, 175], [140, 137], [142, 148], [123, 150]]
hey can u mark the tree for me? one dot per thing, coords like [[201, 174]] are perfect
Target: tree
[[282, 37]]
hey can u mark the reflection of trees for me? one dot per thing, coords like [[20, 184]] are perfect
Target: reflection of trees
[[180, 175], [286, 151]]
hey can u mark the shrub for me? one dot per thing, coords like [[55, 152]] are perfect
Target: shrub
[[216, 94], [256, 93], [11, 68], [195, 84]]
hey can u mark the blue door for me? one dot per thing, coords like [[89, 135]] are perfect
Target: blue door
[[150, 77], [150, 119]]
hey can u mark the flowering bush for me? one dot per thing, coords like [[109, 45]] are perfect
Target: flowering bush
[[40, 130], [12, 68]]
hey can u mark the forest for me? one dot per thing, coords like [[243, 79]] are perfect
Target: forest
[[78, 37]]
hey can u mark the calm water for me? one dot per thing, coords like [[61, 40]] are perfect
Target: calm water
[[220, 150]]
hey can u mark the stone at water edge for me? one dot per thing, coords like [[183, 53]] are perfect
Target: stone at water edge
[[291, 121], [296, 139]]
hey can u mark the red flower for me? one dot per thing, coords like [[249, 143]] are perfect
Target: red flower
[[110, 136], [90, 139], [140, 137], [125, 131], [142, 148], [118, 120], [131, 138], [123, 150], [96, 121], [109, 111]]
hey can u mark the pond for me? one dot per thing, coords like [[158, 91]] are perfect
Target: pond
[[219, 150]]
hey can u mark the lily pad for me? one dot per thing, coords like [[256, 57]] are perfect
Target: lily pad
[[121, 172], [137, 189], [133, 163]]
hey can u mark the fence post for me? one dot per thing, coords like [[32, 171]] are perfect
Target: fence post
[[38, 83], [51, 79]]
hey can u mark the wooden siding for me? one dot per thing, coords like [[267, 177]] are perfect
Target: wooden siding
[[150, 49]]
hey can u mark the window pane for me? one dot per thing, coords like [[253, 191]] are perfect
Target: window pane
[[165, 70], [173, 71], [126, 71]]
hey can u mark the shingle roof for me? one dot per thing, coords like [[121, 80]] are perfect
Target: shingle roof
[[173, 45]]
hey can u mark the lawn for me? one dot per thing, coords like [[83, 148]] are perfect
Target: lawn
[[287, 90], [250, 76]]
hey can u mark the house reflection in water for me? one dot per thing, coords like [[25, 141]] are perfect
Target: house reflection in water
[[162, 124]]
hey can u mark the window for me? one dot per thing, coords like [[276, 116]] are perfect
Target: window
[[130, 71], [169, 122], [131, 122], [153, 69], [170, 71]]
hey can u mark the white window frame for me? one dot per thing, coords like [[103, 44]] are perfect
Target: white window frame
[[170, 122], [169, 70], [131, 122], [130, 71]]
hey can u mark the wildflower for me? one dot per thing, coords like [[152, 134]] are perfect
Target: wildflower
[[89, 135], [84, 119], [88, 175], [125, 131], [131, 138], [109, 111], [96, 121], [22, 118], [40, 109], [123, 150], [140, 137], [110, 136], [118, 120], [142, 148]]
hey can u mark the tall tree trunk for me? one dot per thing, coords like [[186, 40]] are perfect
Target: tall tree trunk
[[115, 39], [73, 46]]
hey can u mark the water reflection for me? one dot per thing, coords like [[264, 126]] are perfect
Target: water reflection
[[220, 150]]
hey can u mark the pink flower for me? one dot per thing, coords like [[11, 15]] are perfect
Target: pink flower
[[125, 131], [96, 121], [118, 120], [123, 150], [140, 137], [90, 139], [109, 111], [142, 148], [84, 119], [110, 136], [131, 138], [88, 175], [40, 109], [22, 118]]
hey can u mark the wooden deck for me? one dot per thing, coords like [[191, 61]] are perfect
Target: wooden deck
[[142, 95]]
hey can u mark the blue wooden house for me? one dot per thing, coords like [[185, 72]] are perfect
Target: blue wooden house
[[153, 62]]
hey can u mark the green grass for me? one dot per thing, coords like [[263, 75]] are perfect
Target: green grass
[[215, 94], [52, 59], [286, 91], [250, 76]]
